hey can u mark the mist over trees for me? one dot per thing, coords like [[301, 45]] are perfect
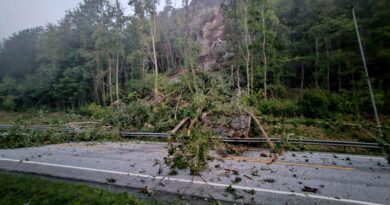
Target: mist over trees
[[97, 53]]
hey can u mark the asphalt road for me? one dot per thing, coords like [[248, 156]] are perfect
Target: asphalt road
[[328, 178]]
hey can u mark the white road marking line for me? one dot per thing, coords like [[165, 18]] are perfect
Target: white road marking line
[[195, 182]]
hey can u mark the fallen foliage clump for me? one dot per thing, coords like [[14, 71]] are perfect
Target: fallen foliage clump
[[191, 151]]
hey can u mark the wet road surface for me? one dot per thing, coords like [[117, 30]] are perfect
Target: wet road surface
[[296, 178]]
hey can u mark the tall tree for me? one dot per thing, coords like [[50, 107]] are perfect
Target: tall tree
[[148, 8]]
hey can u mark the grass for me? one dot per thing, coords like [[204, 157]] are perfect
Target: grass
[[20, 135], [320, 129], [20, 189], [39, 117]]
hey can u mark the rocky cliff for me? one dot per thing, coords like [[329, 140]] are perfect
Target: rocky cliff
[[212, 44]]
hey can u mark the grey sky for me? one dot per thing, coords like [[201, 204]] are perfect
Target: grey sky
[[16, 15]]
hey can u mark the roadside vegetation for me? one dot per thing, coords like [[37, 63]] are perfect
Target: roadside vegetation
[[34, 190], [209, 114], [280, 68]]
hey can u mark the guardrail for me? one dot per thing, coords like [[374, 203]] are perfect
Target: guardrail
[[306, 142], [367, 145], [145, 134]]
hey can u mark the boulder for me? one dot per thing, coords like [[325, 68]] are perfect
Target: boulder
[[231, 126]]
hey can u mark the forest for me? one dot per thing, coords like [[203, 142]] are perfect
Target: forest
[[211, 64], [98, 54]]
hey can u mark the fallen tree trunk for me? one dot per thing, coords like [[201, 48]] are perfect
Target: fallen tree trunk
[[192, 125], [265, 135], [177, 105], [193, 122], [178, 126], [274, 157]]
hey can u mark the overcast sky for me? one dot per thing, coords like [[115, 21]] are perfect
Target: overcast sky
[[16, 15]]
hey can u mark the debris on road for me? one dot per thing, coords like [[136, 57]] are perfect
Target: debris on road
[[233, 192], [146, 190], [235, 172], [255, 173], [244, 172], [252, 192], [172, 172], [263, 154], [230, 189], [111, 180], [309, 189], [269, 180], [237, 180]]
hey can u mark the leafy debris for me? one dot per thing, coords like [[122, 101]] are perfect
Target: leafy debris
[[111, 180], [309, 189]]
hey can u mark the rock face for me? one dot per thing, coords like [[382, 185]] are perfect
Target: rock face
[[208, 21], [212, 55], [208, 28], [117, 103], [212, 44], [233, 126]]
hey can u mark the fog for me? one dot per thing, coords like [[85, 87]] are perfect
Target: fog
[[16, 15]]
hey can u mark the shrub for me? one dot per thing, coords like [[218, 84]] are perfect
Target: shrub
[[97, 112], [315, 104], [140, 88], [20, 135], [8, 103], [191, 151], [162, 118], [133, 116], [287, 108], [278, 90], [15, 136], [90, 110], [323, 104], [131, 96], [342, 103], [365, 103], [386, 106], [197, 101]]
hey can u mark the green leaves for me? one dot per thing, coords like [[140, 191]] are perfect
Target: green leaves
[[7, 85], [192, 151]]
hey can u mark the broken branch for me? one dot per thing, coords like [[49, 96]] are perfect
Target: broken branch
[[179, 125], [193, 122], [269, 142]]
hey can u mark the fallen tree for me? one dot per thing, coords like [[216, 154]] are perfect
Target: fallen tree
[[263, 132]]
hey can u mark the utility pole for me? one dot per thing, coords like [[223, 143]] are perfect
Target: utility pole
[[367, 76]]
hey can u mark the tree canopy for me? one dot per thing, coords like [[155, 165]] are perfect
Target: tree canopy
[[97, 51]]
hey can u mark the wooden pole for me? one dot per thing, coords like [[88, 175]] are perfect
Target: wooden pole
[[367, 76]]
